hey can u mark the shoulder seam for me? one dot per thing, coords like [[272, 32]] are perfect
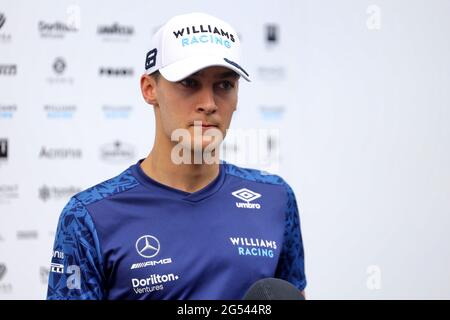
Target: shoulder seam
[[86, 203], [255, 179]]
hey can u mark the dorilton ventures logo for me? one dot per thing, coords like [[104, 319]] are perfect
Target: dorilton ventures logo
[[56, 29], [154, 282], [60, 153], [115, 72], [117, 152], [56, 193], [8, 69]]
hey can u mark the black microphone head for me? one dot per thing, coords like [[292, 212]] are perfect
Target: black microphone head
[[273, 289]]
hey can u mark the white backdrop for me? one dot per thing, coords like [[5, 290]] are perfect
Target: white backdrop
[[356, 91]]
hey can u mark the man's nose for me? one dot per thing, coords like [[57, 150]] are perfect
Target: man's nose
[[206, 101]]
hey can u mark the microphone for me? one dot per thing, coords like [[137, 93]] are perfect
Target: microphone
[[273, 289]]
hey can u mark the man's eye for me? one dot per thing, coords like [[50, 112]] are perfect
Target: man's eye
[[189, 83], [226, 85]]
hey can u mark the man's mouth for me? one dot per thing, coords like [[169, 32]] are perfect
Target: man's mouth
[[204, 124]]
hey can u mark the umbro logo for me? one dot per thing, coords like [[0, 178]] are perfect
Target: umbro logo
[[247, 196]]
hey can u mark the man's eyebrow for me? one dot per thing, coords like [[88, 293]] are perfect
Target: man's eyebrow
[[222, 75], [227, 74]]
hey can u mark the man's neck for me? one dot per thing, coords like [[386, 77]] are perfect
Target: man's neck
[[186, 177]]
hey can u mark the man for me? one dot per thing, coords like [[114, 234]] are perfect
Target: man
[[180, 224]]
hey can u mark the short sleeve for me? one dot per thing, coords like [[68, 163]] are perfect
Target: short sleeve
[[291, 265], [76, 270]]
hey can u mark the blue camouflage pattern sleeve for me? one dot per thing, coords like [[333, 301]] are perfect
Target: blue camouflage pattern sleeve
[[76, 270], [291, 266]]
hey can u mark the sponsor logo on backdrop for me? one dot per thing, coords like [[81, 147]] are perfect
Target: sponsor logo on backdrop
[[115, 72], [271, 73], [8, 193], [254, 246], [272, 113], [3, 149], [272, 145], [250, 147], [59, 111], [117, 112], [272, 34], [59, 71], [56, 29], [8, 69], [59, 65], [4, 286], [43, 274], [115, 32], [117, 152], [47, 193], [229, 150], [27, 234], [2, 20], [59, 153], [4, 36], [7, 111], [2, 271], [248, 196]]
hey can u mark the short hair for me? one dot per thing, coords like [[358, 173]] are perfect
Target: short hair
[[156, 74]]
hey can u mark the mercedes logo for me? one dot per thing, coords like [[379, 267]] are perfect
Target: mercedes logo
[[147, 246]]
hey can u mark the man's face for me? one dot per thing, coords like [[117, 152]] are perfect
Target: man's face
[[209, 96]]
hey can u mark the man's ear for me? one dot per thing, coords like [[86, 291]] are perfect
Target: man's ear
[[148, 89]]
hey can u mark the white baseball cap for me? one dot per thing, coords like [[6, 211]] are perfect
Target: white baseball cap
[[190, 42]]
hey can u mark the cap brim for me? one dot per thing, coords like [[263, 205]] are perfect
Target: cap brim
[[181, 69]]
